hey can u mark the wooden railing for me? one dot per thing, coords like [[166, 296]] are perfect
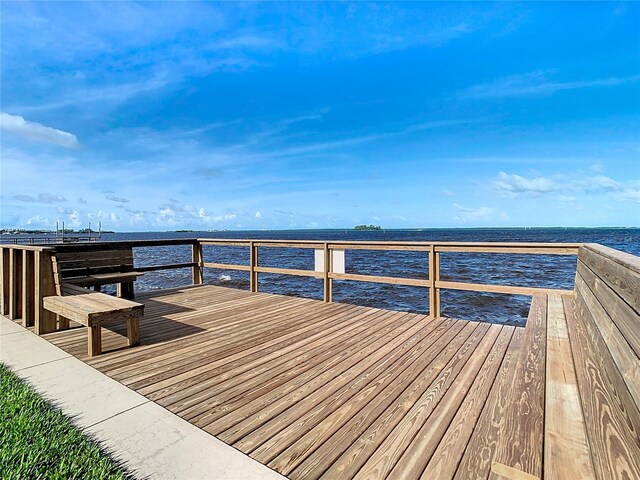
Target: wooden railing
[[27, 272], [434, 250]]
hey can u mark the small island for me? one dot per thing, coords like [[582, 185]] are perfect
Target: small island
[[367, 227]]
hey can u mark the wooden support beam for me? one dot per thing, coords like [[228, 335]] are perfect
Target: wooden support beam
[[45, 321], [63, 322], [432, 284], [133, 331], [196, 257], [326, 279], [15, 284], [123, 290], [227, 266], [4, 279], [436, 291], [507, 289], [28, 288], [412, 282], [95, 341], [291, 271], [253, 263]]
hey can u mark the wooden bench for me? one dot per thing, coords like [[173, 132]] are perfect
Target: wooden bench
[[604, 327], [94, 310], [572, 406], [96, 268]]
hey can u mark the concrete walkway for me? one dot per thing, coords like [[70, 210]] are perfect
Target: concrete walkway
[[152, 441]]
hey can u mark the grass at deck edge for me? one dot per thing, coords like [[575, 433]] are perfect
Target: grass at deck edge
[[37, 441]]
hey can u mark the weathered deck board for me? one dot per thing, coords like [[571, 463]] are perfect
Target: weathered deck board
[[566, 448], [350, 356], [318, 390], [478, 455], [448, 454], [520, 441], [331, 443], [613, 429]]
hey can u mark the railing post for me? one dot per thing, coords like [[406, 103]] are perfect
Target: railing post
[[436, 288], [45, 321], [196, 257], [328, 282], [4, 279], [15, 284], [253, 262], [28, 287], [433, 301]]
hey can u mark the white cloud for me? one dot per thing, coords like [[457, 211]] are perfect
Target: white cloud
[[17, 125], [630, 194], [510, 185], [538, 83], [258, 214], [568, 187], [95, 98], [167, 212], [228, 216], [466, 213], [38, 221], [41, 198], [113, 198], [599, 184], [74, 216]]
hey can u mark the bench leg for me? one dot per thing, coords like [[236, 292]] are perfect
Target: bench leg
[[125, 290], [63, 323], [133, 331], [95, 341]]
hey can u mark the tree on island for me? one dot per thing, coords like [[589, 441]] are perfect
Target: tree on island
[[367, 227]]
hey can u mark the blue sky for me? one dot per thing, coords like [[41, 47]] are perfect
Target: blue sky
[[162, 116]]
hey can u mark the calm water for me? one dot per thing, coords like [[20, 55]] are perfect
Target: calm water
[[527, 270]]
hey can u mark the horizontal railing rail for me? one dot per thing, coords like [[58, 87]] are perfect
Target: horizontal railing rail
[[434, 250], [26, 269]]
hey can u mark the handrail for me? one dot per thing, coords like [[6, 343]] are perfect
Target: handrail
[[288, 243], [26, 271], [87, 247], [434, 250]]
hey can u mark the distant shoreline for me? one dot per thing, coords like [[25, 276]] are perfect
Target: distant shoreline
[[11, 232]]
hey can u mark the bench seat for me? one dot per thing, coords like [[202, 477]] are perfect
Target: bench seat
[[93, 310]]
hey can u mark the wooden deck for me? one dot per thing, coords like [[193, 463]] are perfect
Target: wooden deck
[[315, 389], [318, 390]]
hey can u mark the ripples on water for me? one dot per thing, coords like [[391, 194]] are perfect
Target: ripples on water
[[524, 270]]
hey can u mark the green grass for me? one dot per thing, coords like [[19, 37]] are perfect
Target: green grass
[[38, 441]]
